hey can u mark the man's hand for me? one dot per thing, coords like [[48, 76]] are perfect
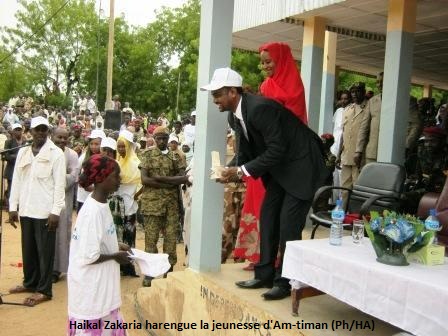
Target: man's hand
[[124, 247], [357, 159], [229, 175], [13, 218], [53, 222], [122, 257]]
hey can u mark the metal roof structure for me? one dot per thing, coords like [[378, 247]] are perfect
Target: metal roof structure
[[361, 26]]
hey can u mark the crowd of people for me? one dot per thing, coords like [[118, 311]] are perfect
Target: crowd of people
[[142, 174]]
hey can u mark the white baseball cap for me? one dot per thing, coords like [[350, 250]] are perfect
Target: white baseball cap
[[97, 134], [128, 135], [193, 113], [223, 77], [173, 138], [109, 143], [16, 125], [36, 121]]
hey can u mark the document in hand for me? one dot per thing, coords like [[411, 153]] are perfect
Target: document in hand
[[151, 264], [216, 169]]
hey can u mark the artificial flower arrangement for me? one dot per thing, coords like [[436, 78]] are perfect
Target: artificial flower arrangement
[[393, 235]]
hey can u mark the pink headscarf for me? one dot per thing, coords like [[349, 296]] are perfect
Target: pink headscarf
[[285, 85]]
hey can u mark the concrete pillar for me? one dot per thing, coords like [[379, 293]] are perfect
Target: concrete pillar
[[211, 125], [427, 90], [397, 80], [311, 68], [328, 84]]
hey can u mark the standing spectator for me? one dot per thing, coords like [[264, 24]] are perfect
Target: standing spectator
[[82, 103], [138, 130], [95, 255], [10, 157], [127, 109], [63, 233], [109, 147], [11, 117], [93, 147], [190, 129], [97, 121], [163, 121], [162, 172], [126, 121], [152, 126], [344, 100], [129, 190], [353, 117], [3, 137], [38, 193], [116, 103], [178, 133], [187, 148], [369, 129], [76, 141], [91, 106], [283, 82], [173, 144]]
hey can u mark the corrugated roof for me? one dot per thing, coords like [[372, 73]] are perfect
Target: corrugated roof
[[251, 13]]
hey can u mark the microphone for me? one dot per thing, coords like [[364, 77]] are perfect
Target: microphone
[[28, 143]]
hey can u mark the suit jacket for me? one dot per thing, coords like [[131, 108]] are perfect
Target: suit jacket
[[280, 146], [370, 128], [351, 121]]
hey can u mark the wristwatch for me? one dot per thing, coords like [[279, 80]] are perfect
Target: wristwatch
[[239, 173]]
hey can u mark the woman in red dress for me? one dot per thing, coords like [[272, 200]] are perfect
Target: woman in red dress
[[283, 84]]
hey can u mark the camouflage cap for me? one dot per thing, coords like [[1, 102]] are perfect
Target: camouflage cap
[[161, 130]]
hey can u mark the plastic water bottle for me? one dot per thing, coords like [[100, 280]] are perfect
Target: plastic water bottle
[[337, 217], [432, 224]]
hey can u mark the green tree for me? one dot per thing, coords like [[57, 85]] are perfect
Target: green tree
[[54, 36], [14, 77]]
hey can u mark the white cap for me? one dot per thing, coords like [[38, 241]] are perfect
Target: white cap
[[127, 135], [36, 121], [16, 125], [109, 143], [173, 138], [223, 77], [193, 113], [96, 133]]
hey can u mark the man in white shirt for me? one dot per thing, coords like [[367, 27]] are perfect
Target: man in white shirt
[[91, 106], [11, 117], [190, 129], [38, 197]]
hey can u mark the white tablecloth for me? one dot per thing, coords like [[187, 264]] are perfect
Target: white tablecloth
[[413, 298]]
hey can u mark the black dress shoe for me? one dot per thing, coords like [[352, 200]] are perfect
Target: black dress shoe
[[276, 293], [254, 283]]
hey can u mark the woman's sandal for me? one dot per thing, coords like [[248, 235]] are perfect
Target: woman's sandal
[[35, 299], [20, 289]]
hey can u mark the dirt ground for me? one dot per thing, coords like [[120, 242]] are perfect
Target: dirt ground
[[50, 318]]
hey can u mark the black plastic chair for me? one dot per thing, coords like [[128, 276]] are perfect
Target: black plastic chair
[[379, 186]]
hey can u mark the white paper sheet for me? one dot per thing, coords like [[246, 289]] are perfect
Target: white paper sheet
[[216, 169], [151, 264]]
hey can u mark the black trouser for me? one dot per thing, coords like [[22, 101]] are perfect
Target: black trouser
[[38, 248], [282, 219], [129, 235]]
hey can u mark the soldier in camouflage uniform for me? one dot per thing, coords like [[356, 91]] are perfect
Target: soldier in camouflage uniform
[[162, 172]]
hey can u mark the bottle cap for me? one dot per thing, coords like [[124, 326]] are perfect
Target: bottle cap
[[432, 212], [339, 202]]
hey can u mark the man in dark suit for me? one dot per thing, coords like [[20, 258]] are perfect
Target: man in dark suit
[[276, 146]]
